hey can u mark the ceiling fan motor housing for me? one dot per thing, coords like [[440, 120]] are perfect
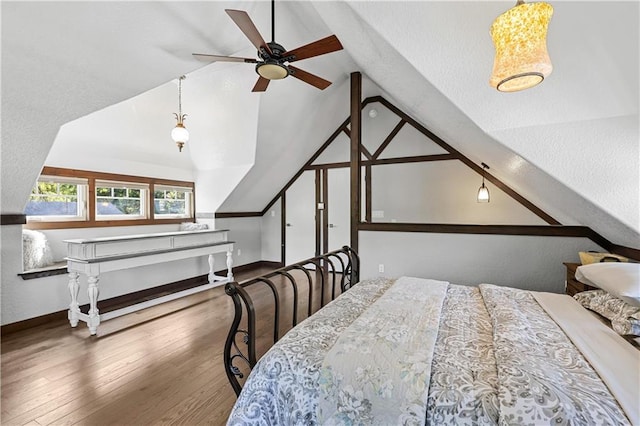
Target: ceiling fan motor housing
[[276, 49]]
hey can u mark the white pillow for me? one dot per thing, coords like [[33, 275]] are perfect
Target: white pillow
[[192, 226], [622, 280], [36, 252]]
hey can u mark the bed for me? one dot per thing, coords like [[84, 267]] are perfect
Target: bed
[[420, 351]]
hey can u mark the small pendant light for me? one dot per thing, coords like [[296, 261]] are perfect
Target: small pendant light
[[180, 134], [483, 192], [520, 38]]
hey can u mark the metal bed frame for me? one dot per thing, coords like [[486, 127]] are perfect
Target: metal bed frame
[[325, 268]]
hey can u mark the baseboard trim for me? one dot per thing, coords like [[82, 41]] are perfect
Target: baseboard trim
[[261, 264], [127, 299], [51, 318]]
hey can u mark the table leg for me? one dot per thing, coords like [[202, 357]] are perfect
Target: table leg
[[229, 266], [212, 276], [93, 292], [74, 309]]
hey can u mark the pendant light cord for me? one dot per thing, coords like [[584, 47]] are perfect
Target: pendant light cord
[[484, 168], [182, 77], [273, 21]]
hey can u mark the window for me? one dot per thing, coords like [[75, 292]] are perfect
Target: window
[[66, 198], [172, 202], [120, 200], [55, 198]]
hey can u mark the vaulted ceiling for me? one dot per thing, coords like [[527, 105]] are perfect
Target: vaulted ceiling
[[100, 77]]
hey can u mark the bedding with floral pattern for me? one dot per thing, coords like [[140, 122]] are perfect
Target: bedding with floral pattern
[[625, 318], [494, 357]]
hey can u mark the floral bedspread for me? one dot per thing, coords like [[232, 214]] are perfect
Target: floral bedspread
[[282, 388], [542, 377], [464, 379], [498, 359], [378, 370]]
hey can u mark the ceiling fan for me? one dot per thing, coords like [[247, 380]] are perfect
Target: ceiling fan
[[274, 60]]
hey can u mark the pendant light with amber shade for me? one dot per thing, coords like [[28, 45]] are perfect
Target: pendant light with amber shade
[[520, 39]]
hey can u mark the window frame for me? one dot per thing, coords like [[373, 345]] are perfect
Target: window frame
[[144, 195], [82, 195], [188, 199], [92, 221]]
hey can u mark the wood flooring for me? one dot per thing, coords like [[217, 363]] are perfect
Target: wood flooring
[[162, 365]]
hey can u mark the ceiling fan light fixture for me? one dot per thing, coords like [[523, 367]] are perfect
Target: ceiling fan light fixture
[[272, 71], [272, 56], [520, 39]]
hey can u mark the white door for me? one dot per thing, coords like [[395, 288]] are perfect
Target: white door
[[338, 204], [300, 231]]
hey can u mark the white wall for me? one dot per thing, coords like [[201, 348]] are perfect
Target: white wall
[[271, 235], [125, 138], [24, 299], [445, 192], [245, 232], [565, 115], [528, 262], [441, 192]]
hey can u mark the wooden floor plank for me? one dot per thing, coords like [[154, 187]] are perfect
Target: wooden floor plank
[[161, 365], [158, 356], [99, 361], [65, 383]]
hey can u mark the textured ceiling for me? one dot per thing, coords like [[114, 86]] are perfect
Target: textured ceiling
[[569, 145]]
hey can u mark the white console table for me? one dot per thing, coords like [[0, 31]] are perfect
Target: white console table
[[91, 257]]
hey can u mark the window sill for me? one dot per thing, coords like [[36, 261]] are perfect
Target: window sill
[[58, 268], [103, 223]]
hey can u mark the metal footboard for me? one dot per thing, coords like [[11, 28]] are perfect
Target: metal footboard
[[339, 269]]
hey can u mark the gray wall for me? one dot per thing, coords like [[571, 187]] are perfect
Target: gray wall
[[246, 234], [271, 234], [441, 192], [528, 262]]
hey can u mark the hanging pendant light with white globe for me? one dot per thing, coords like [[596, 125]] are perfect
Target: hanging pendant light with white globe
[[180, 134]]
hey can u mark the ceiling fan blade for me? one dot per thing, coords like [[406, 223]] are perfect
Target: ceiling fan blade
[[217, 58], [307, 77], [318, 47], [246, 25], [261, 84]]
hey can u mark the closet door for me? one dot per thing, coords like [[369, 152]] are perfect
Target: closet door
[[338, 208], [300, 230]]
